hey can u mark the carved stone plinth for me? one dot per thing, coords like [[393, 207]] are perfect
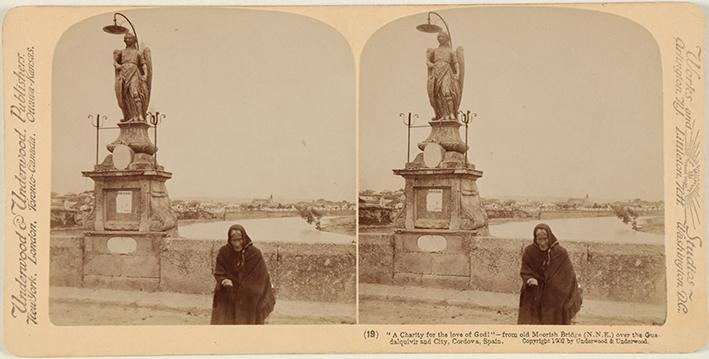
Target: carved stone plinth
[[131, 200], [445, 133], [135, 136], [132, 197], [122, 260], [442, 195], [442, 198]]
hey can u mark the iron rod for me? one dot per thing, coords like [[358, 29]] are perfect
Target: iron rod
[[408, 140], [98, 123], [137, 44], [157, 114]]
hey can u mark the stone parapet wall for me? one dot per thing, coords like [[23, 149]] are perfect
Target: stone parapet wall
[[308, 272], [66, 264], [606, 271]]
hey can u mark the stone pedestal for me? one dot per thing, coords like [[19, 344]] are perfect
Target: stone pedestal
[[443, 212], [447, 135], [135, 136], [122, 260], [131, 215], [443, 199], [131, 200], [432, 258], [132, 197], [443, 195]]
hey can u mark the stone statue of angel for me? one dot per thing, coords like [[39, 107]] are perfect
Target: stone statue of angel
[[134, 74], [445, 78]]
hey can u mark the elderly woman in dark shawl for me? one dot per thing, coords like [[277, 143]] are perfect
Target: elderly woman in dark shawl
[[550, 293], [243, 293]]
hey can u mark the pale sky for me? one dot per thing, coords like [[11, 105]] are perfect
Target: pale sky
[[258, 103], [568, 102]]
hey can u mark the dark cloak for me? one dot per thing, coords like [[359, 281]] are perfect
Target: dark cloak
[[557, 298], [251, 299]]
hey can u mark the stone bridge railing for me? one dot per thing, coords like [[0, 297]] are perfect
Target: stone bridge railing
[[606, 271], [308, 272]]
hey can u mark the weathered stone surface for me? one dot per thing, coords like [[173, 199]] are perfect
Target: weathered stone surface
[[376, 259], [408, 241], [140, 266], [96, 245], [322, 272], [66, 241], [145, 245], [461, 206], [631, 273], [66, 262], [162, 217], [148, 245], [451, 264], [638, 274], [121, 245], [447, 135], [495, 264], [432, 243], [150, 209], [103, 264], [187, 266], [310, 275], [454, 244], [413, 262]]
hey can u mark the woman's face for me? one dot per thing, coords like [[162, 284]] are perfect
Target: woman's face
[[236, 239], [541, 239]]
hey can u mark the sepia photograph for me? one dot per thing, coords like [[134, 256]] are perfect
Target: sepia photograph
[[383, 179], [510, 170], [203, 170]]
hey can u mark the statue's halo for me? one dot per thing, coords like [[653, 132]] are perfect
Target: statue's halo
[[429, 28], [115, 29]]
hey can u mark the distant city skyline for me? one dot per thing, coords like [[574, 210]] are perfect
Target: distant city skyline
[[294, 200], [545, 198], [258, 110], [230, 199]]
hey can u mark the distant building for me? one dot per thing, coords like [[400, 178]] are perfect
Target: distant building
[[580, 202], [263, 201]]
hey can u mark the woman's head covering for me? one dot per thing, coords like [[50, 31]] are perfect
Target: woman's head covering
[[244, 235], [550, 237], [240, 259]]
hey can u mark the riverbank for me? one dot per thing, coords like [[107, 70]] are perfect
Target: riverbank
[[235, 216], [655, 225], [554, 215], [341, 224]]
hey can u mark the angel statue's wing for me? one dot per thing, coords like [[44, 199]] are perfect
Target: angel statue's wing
[[148, 84], [431, 81], [461, 71]]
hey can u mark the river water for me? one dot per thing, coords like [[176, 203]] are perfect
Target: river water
[[296, 230], [285, 229], [589, 229]]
